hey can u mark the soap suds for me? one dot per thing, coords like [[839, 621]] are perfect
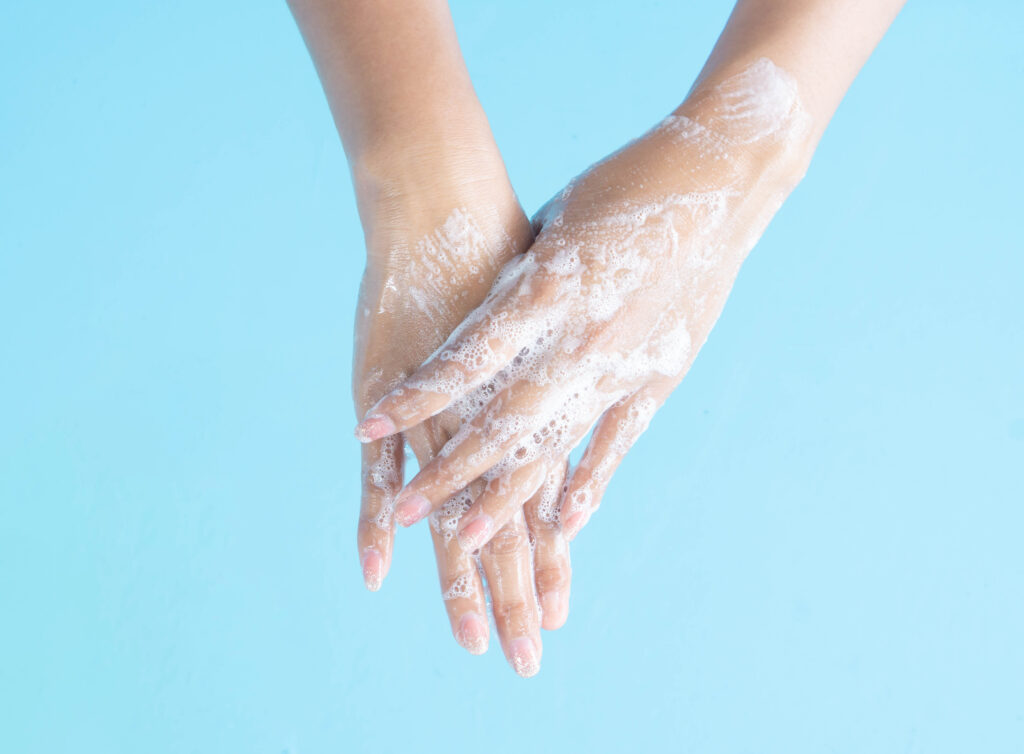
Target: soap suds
[[385, 475]]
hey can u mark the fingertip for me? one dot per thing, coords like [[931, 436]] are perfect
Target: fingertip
[[472, 633], [475, 534], [411, 509], [554, 610], [375, 427], [373, 569], [524, 656], [573, 524]]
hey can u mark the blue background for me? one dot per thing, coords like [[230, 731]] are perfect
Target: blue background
[[816, 548]]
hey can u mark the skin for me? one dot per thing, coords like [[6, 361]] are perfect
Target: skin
[[423, 159], [440, 219], [649, 231]]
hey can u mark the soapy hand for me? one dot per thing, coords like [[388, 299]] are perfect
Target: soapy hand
[[602, 318], [433, 252]]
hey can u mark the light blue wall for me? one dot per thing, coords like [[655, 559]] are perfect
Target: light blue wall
[[816, 548]]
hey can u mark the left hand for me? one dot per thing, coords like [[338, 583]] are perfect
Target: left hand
[[603, 317], [432, 253]]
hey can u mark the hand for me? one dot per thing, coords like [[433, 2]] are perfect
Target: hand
[[602, 318], [436, 239]]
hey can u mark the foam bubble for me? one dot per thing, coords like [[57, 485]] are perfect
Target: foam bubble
[[462, 587], [385, 475]]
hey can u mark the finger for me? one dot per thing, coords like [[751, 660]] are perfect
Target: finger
[[552, 573], [461, 586], [496, 431], [515, 479], [510, 320], [506, 563], [614, 435], [382, 479], [503, 495]]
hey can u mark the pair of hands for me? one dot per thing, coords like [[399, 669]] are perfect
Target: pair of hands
[[586, 320]]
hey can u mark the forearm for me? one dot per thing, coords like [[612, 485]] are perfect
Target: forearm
[[394, 78], [821, 44]]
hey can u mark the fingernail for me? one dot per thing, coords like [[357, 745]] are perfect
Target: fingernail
[[472, 634], [374, 427], [475, 533], [573, 525], [411, 510], [551, 607], [373, 569], [524, 657]]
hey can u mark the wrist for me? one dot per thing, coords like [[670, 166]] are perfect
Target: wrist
[[423, 168], [413, 194], [754, 118], [409, 190], [424, 159], [409, 141]]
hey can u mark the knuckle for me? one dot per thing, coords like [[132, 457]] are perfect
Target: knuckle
[[542, 520], [507, 543], [377, 511], [514, 613], [553, 578]]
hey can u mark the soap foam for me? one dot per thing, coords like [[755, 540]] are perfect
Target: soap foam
[[385, 475]]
